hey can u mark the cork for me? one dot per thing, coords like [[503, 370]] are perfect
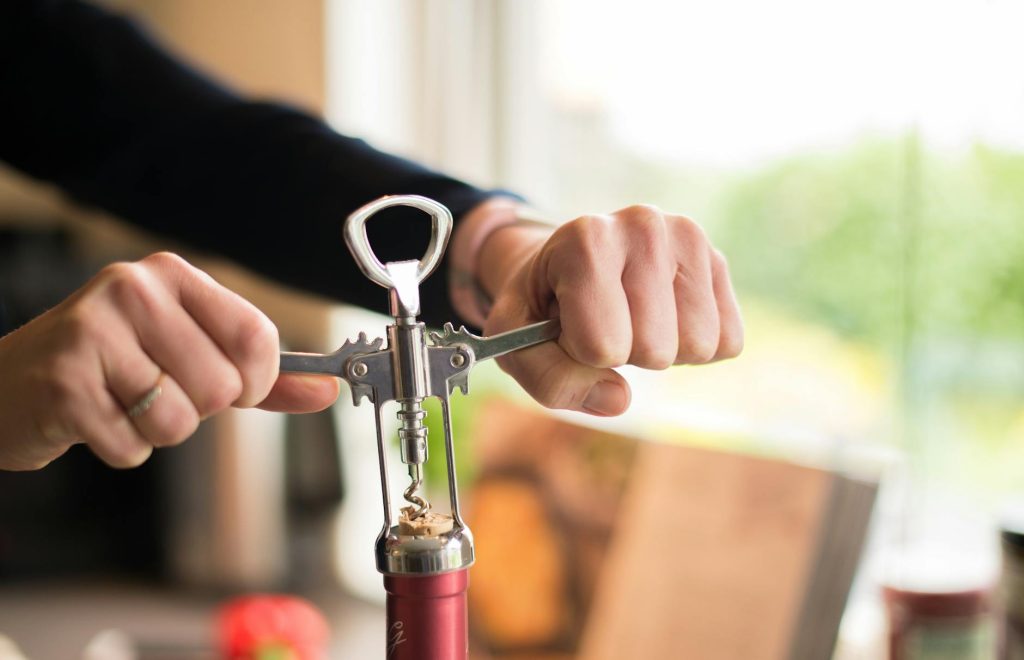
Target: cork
[[429, 524]]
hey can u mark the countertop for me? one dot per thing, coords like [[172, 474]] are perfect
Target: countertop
[[55, 621]]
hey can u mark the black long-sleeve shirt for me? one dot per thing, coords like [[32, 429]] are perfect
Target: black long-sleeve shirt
[[90, 103]]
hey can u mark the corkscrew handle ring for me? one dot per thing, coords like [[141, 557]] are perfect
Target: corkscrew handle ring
[[359, 243]]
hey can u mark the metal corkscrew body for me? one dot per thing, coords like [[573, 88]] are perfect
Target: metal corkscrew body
[[424, 557]]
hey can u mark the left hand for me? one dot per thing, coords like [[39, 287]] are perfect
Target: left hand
[[638, 286]]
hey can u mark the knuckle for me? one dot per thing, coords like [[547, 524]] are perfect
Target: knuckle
[[255, 353], [586, 237], [731, 346], [124, 453], [588, 224], [642, 212], [256, 339], [719, 260], [129, 286], [648, 235], [697, 349], [128, 461], [116, 270], [555, 396], [602, 351], [687, 230], [123, 271], [176, 429], [220, 393], [165, 260], [79, 326], [652, 357]]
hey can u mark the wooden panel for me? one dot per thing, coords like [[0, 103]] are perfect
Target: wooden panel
[[600, 546], [710, 559]]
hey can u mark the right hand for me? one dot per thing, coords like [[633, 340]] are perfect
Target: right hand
[[71, 374], [637, 286]]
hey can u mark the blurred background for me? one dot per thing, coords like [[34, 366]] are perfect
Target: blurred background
[[861, 165]]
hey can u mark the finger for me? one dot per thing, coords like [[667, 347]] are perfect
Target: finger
[[587, 279], [171, 418], [730, 341], [85, 408], [131, 375], [551, 376], [556, 380], [696, 308], [110, 434], [300, 393], [172, 339], [242, 332], [649, 287], [69, 400]]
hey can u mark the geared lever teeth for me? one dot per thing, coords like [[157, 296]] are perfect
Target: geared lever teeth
[[451, 335], [361, 345]]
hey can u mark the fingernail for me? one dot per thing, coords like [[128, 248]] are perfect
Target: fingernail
[[606, 398]]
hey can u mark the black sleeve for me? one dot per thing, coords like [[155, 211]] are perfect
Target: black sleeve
[[92, 105]]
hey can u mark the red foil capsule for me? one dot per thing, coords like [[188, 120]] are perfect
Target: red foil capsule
[[427, 616]]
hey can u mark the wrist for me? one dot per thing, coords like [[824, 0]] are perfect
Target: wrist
[[505, 251], [489, 243]]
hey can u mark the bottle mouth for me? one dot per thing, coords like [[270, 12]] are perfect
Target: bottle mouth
[[434, 553]]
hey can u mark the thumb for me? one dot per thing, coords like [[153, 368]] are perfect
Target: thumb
[[549, 374], [556, 380], [301, 393]]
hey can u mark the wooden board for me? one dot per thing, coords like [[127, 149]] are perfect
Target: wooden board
[[597, 546], [710, 559]]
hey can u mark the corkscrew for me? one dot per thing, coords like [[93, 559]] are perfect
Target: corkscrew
[[426, 556]]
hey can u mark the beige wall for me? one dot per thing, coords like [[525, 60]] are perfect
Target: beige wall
[[265, 47]]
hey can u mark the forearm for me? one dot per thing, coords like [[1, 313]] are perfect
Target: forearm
[[97, 108]]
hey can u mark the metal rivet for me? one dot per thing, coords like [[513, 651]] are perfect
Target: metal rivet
[[458, 359], [359, 369]]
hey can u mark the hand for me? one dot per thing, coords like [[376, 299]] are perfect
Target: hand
[[638, 286], [70, 375]]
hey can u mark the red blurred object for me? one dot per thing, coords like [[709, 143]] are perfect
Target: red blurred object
[[272, 627], [427, 616]]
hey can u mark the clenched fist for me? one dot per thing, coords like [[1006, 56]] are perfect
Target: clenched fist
[[638, 286], [134, 360]]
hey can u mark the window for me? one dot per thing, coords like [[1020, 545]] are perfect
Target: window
[[861, 166]]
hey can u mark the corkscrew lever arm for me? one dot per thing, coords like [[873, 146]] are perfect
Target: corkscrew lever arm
[[484, 348]]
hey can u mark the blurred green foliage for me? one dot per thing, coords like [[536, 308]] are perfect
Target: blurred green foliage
[[917, 253], [841, 238], [912, 252]]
